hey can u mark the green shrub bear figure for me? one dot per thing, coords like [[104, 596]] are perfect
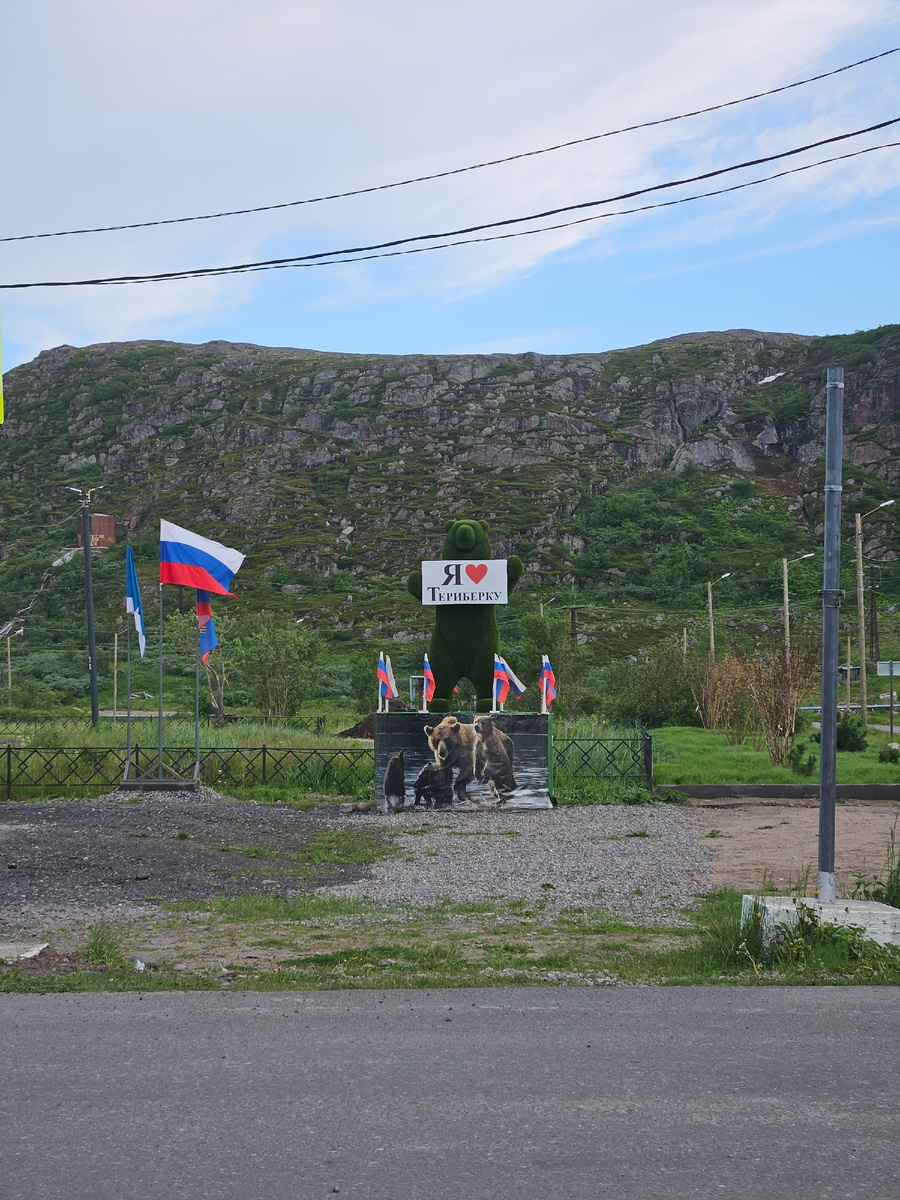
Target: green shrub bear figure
[[466, 636]]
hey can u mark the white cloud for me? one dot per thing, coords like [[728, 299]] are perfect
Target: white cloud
[[141, 111]]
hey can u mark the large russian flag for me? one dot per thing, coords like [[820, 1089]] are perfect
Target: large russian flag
[[195, 561]]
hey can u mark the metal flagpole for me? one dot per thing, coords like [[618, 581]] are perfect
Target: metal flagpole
[[128, 702], [159, 746], [831, 602], [197, 704]]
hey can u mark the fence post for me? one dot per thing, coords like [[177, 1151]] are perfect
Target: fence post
[[137, 757], [648, 756], [264, 762], [9, 770]]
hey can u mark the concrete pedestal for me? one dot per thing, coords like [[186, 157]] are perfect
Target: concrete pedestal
[[879, 922]]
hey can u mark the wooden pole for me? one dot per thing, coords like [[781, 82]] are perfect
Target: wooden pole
[[861, 621], [848, 672]]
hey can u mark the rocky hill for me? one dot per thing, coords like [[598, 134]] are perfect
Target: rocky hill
[[349, 464]]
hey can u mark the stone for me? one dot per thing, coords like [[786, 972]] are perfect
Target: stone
[[879, 922]]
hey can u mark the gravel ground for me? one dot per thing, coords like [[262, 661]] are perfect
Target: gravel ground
[[65, 862], [588, 855]]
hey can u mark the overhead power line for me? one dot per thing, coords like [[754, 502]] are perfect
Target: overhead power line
[[493, 162], [320, 256]]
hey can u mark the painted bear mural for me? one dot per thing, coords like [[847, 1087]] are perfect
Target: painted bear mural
[[466, 636], [454, 747], [494, 759]]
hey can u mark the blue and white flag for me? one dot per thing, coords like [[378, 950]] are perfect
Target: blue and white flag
[[133, 598]]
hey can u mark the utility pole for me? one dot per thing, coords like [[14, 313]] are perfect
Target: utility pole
[[861, 622], [86, 494], [712, 636], [874, 640], [861, 608], [831, 603]]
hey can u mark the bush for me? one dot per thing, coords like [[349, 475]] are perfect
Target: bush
[[655, 692], [851, 734]]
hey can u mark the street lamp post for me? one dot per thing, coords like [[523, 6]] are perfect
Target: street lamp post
[[785, 563], [86, 494], [861, 608], [712, 636]]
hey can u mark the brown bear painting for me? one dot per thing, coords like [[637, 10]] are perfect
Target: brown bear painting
[[433, 786], [494, 759], [454, 746], [394, 783], [469, 762]]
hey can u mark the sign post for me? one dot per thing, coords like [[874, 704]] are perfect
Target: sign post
[[888, 668]]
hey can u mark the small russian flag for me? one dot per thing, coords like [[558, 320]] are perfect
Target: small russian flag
[[384, 681], [518, 687], [501, 680], [208, 639], [429, 680], [547, 682], [392, 683]]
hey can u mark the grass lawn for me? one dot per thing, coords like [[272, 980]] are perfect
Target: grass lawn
[[690, 755], [322, 942]]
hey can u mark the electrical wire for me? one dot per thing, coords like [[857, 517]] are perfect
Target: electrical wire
[[493, 162], [305, 259]]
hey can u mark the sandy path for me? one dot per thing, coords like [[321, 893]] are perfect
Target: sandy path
[[778, 841]]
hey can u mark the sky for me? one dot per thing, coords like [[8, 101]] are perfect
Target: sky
[[117, 114]]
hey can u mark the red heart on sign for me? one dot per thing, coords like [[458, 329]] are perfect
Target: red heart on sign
[[476, 574]]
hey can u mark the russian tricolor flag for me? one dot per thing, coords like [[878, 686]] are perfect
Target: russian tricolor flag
[[429, 680], [547, 682], [208, 639], [518, 687], [384, 680], [501, 681], [195, 561]]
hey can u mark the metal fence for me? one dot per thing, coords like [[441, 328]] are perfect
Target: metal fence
[[340, 771], [604, 758]]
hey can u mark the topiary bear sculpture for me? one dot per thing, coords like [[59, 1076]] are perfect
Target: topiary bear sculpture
[[466, 636]]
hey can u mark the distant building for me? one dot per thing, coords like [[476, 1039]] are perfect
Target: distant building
[[103, 531]]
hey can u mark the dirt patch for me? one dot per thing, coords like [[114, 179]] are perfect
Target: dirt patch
[[754, 841], [92, 860]]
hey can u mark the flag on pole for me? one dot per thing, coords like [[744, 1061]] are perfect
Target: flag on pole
[[547, 681], [381, 674], [518, 687], [392, 683], [501, 680], [429, 680], [208, 639], [133, 599], [195, 561]]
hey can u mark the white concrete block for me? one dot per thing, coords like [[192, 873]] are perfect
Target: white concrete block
[[879, 922]]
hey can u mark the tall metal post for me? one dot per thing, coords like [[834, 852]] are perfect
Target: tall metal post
[[831, 602], [89, 602], [712, 636], [787, 613]]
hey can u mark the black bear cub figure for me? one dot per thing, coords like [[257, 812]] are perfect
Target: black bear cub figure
[[433, 786], [395, 782]]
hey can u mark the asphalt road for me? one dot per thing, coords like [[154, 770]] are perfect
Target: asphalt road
[[532, 1094]]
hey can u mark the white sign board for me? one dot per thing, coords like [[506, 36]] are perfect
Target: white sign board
[[464, 581], [889, 668]]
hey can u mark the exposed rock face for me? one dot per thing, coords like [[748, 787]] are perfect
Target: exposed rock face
[[356, 459]]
